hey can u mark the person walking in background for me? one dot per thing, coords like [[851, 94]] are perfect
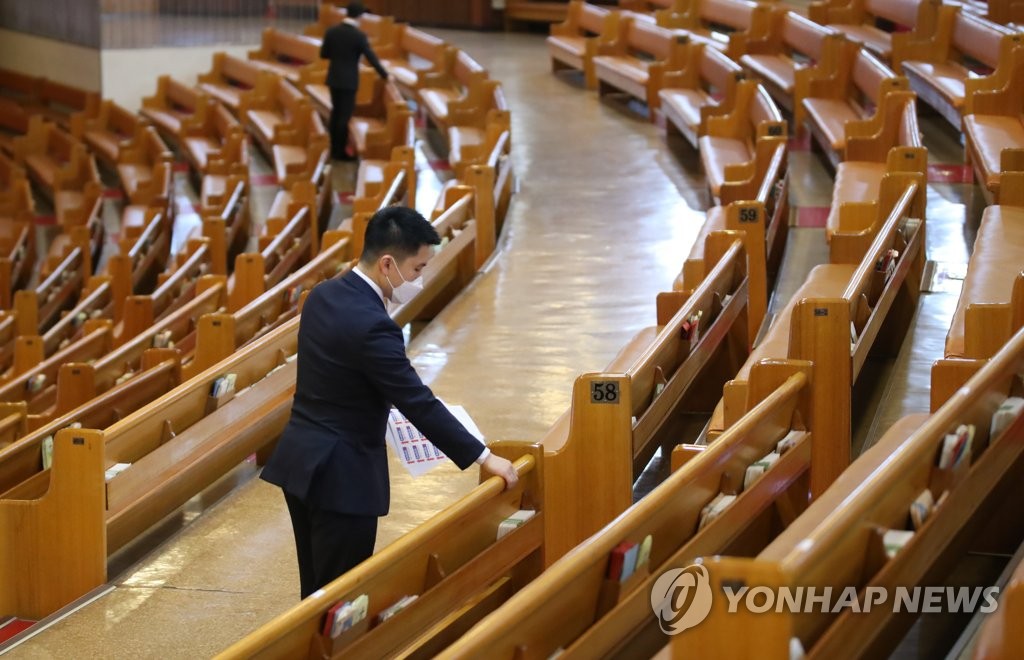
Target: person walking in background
[[343, 46]]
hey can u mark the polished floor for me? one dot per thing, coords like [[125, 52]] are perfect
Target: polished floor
[[605, 213]]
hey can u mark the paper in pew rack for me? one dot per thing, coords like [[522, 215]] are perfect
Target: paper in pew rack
[[416, 453]]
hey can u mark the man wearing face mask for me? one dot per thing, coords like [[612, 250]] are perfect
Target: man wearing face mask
[[331, 460]]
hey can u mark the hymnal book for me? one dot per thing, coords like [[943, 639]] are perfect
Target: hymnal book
[[223, 385], [343, 615], [921, 508], [162, 340], [35, 383], [47, 452], [956, 445], [758, 467], [617, 561], [1008, 411], [114, 470], [895, 539], [389, 612], [787, 442], [629, 562], [416, 453], [714, 509], [644, 555], [515, 521]]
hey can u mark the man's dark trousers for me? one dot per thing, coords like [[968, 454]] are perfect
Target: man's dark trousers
[[343, 103], [328, 544]]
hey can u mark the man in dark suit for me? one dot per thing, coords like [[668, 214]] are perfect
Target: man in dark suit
[[343, 46], [332, 460]]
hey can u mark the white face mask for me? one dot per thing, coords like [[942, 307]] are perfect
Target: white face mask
[[405, 291]]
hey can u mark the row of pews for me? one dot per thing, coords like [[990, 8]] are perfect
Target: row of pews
[[771, 496], [134, 380]]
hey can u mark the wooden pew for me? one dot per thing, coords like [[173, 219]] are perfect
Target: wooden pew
[[993, 131], [704, 85], [51, 157], [943, 67], [434, 621], [638, 61], [276, 113], [761, 212], [380, 183], [836, 318], [226, 224], [17, 231], [838, 541], [726, 24], [218, 144], [731, 144], [576, 608], [991, 304], [104, 130], [847, 86], [459, 89], [308, 186], [382, 124], [177, 446], [228, 79], [286, 54], [144, 166], [857, 20], [173, 106], [792, 42], [889, 142], [414, 54], [574, 43], [59, 102], [1004, 12], [998, 637], [452, 563]]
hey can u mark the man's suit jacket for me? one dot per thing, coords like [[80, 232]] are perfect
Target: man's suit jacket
[[351, 367], [342, 47]]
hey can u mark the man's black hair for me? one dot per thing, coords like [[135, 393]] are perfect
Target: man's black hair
[[399, 231], [355, 9]]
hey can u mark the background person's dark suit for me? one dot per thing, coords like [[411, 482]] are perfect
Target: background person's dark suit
[[332, 459], [343, 46]]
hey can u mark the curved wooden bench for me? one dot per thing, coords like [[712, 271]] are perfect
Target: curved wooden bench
[[574, 608], [104, 130], [993, 131], [286, 54], [228, 79], [729, 25], [943, 67], [413, 54], [838, 541], [172, 106], [848, 87], [386, 124], [144, 167], [857, 20], [792, 42], [216, 144], [446, 95], [574, 42], [702, 86], [637, 61]]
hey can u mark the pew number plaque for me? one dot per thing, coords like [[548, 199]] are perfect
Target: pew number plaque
[[604, 391]]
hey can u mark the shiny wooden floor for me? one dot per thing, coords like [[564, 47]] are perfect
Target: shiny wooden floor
[[605, 214]]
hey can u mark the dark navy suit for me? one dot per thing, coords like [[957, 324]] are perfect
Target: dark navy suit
[[343, 46], [331, 460]]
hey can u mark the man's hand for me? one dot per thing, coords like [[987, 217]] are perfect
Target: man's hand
[[501, 467]]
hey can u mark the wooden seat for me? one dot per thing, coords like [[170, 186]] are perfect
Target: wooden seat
[[218, 143], [941, 68], [730, 142], [993, 132], [144, 167], [286, 54], [462, 88], [379, 29], [636, 62], [574, 42], [992, 280], [104, 129], [838, 540], [228, 79], [380, 126], [858, 21], [705, 84], [792, 42], [413, 54], [852, 92], [172, 106], [728, 25]]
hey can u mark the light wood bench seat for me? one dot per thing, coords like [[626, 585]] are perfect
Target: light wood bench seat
[[228, 79], [286, 54], [703, 86], [173, 106], [574, 42], [105, 130], [637, 61], [858, 21], [412, 55]]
